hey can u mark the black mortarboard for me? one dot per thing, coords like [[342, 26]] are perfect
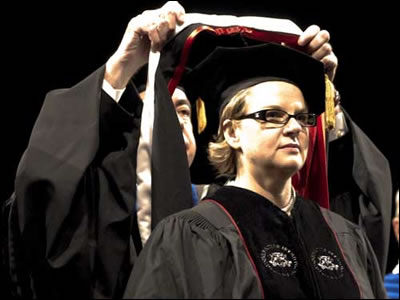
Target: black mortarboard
[[227, 70]]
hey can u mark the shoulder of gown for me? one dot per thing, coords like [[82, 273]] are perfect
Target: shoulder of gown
[[189, 257]]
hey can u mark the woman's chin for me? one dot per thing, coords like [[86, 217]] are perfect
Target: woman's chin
[[292, 166]]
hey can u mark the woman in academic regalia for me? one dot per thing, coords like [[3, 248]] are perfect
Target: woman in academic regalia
[[255, 237], [72, 220]]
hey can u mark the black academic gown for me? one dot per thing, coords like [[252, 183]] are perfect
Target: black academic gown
[[72, 225], [361, 188], [239, 245]]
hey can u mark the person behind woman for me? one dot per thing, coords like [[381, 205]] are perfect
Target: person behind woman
[[75, 218], [392, 279], [256, 237]]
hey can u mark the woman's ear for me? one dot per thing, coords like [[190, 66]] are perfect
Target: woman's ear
[[231, 133]]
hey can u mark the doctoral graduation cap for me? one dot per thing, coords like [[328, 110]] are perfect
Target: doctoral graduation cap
[[188, 59], [227, 70]]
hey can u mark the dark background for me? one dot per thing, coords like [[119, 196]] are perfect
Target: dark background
[[57, 45]]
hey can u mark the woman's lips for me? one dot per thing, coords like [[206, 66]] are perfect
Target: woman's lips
[[290, 146]]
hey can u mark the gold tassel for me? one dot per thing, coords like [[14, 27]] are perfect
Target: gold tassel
[[330, 118], [201, 115]]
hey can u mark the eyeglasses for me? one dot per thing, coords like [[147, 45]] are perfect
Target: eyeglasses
[[281, 117]]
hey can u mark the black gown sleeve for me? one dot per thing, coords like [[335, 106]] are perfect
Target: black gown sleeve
[[361, 187], [359, 255], [71, 217], [187, 257], [373, 267]]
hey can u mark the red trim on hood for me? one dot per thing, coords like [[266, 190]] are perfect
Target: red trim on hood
[[312, 180]]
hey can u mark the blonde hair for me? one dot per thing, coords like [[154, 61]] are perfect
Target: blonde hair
[[221, 155]]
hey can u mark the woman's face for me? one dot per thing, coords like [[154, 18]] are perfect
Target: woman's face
[[265, 148]]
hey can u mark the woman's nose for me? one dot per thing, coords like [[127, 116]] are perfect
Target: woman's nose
[[293, 126]]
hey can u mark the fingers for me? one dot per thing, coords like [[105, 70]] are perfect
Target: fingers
[[154, 37], [146, 32], [316, 43], [175, 10], [330, 63], [160, 24], [321, 52], [308, 35]]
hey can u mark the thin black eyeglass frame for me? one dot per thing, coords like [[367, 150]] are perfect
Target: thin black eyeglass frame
[[261, 115]]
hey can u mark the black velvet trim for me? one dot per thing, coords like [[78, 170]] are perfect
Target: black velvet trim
[[287, 250]]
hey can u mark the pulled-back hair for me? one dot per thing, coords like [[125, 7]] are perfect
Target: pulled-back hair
[[221, 155]]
